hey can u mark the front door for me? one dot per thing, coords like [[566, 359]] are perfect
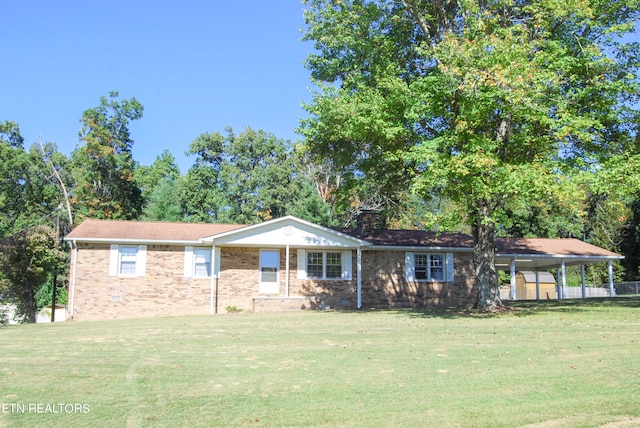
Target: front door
[[269, 272]]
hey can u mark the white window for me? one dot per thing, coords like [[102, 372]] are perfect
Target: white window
[[314, 264], [197, 262], [127, 260], [201, 262], [431, 267]]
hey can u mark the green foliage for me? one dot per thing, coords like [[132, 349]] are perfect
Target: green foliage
[[45, 294], [488, 105], [164, 167], [246, 178], [26, 260], [104, 167], [10, 134], [233, 309], [163, 203]]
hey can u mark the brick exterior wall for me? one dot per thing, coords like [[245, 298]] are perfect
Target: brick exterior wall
[[165, 291], [385, 276]]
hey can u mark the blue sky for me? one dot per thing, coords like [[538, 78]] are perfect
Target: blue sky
[[196, 66]]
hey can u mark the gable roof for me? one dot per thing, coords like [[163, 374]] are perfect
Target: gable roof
[[288, 230], [529, 254], [146, 231]]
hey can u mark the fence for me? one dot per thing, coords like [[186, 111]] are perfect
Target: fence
[[601, 290]]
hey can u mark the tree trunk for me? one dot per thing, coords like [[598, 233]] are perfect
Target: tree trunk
[[484, 252]]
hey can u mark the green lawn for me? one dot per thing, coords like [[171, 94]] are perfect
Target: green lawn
[[568, 364]]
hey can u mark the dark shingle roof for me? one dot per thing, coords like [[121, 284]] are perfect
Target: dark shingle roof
[[515, 246]]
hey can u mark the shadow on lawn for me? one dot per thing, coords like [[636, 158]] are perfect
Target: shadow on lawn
[[523, 308], [573, 305]]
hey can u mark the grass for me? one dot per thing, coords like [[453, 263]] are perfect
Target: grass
[[566, 364]]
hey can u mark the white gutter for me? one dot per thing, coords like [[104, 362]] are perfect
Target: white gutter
[[137, 241]]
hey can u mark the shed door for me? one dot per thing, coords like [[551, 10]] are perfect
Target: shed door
[[269, 271]]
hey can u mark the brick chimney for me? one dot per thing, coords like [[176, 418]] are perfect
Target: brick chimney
[[366, 221]]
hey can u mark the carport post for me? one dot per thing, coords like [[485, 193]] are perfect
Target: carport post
[[563, 270], [612, 292], [584, 282], [537, 285], [359, 280], [513, 279]]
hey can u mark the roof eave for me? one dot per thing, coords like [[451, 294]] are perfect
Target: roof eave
[[134, 241], [421, 248], [559, 256]]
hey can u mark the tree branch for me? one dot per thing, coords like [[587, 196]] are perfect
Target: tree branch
[[411, 6]]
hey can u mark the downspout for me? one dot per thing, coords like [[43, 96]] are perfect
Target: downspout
[[72, 291]]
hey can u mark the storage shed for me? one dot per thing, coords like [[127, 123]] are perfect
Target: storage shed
[[526, 285]]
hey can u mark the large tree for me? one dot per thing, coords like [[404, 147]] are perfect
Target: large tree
[[104, 166], [30, 217], [247, 178], [27, 259], [481, 102]]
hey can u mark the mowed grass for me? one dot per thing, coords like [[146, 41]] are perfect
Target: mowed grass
[[567, 364]]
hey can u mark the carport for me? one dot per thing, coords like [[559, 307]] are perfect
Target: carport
[[541, 254]]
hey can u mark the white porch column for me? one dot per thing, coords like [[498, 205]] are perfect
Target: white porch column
[[537, 284], [359, 280], [612, 291], [286, 281], [584, 281], [513, 279], [212, 291]]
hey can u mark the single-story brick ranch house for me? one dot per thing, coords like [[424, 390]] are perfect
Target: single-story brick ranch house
[[129, 269]]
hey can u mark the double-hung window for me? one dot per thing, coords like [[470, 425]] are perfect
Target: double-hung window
[[324, 265], [314, 264], [429, 267], [197, 262], [127, 260], [201, 262]]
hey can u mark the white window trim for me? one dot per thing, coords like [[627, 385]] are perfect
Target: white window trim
[[347, 268], [410, 267], [115, 257], [190, 261]]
